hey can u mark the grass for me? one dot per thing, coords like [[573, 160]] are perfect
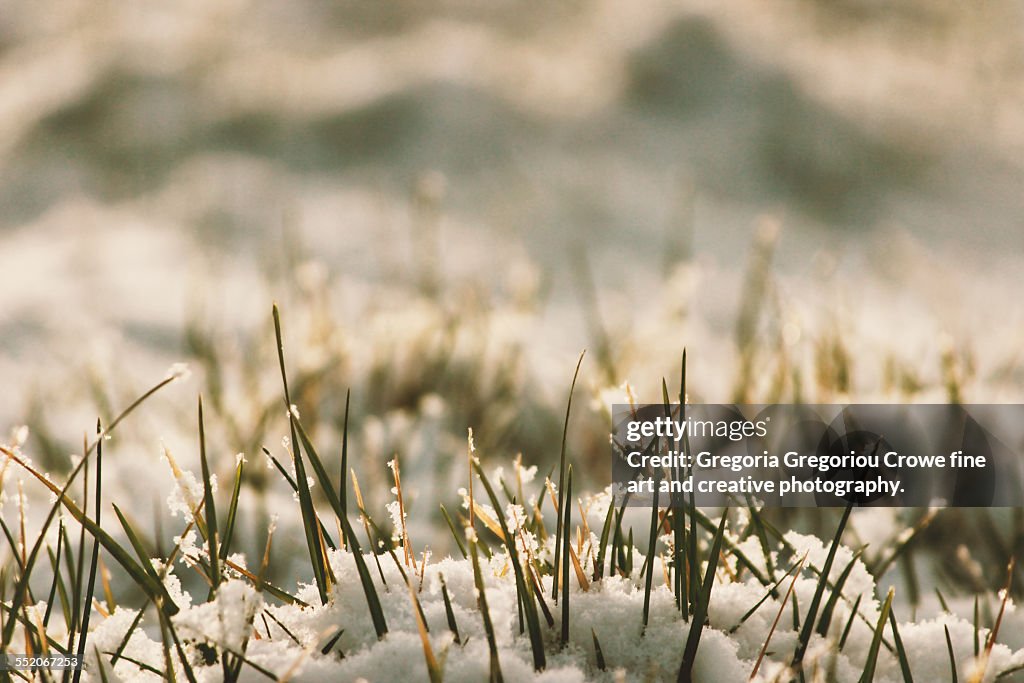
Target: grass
[[698, 552]]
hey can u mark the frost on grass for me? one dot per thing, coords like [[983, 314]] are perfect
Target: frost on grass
[[303, 642], [304, 638]]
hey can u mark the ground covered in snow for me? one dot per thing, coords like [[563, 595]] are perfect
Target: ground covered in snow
[[288, 640]]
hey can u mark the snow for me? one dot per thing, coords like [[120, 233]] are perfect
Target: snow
[[288, 639]]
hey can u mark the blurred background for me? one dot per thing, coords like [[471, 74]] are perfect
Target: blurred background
[[819, 200]]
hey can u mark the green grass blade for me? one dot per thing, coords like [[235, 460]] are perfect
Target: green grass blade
[[680, 551], [567, 541], [603, 543], [901, 652], [598, 652], [319, 470], [182, 657], [211, 507], [329, 645], [614, 562], [876, 641], [449, 613], [91, 586], [561, 478], [762, 535], [977, 629], [734, 549], [168, 672], [455, 535], [627, 559], [485, 613], [952, 657], [649, 563], [343, 479], [77, 578], [99, 662], [538, 592], [523, 587], [701, 612], [678, 519], [15, 546], [812, 610], [309, 519], [229, 527], [136, 542], [692, 554], [849, 623], [837, 592], [58, 583], [283, 472], [295, 489], [142, 665], [380, 624]]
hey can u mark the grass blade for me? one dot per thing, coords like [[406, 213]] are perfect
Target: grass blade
[[364, 516], [433, 668], [679, 551], [481, 599], [523, 587], [603, 543], [837, 592], [309, 518], [449, 613], [229, 528], [57, 585], [318, 469], [598, 652], [876, 641], [649, 564], [982, 664], [901, 652], [295, 489], [977, 628], [812, 610], [91, 586], [211, 507], [329, 645], [343, 479], [380, 624], [168, 672], [701, 611], [849, 622], [561, 478], [455, 535], [136, 542], [952, 657], [762, 535], [778, 615], [566, 540]]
